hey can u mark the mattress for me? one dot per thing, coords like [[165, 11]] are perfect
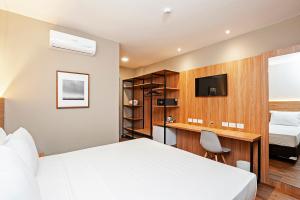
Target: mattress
[[140, 169], [284, 135]]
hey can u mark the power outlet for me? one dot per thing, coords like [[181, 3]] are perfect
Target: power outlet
[[190, 120], [240, 126], [225, 124], [200, 121], [232, 125], [195, 121]]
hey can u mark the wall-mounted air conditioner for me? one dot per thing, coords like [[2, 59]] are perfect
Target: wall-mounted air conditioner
[[73, 43]]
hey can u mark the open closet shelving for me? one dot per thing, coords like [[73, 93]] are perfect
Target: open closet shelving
[[138, 120]]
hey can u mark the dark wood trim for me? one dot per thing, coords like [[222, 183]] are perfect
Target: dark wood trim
[[284, 105], [72, 107]]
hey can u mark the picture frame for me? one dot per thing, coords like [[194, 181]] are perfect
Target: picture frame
[[72, 90]]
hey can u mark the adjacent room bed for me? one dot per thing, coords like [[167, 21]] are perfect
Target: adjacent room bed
[[135, 170], [284, 135]]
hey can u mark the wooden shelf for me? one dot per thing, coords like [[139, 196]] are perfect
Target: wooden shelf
[[166, 106], [148, 85], [145, 131], [142, 88], [161, 123], [145, 85], [133, 119], [167, 88], [128, 135], [153, 75], [138, 106], [154, 95]]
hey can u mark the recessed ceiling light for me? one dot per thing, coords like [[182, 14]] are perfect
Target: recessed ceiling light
[[167, 10], [179, 49], [125, 59], [227, 31]]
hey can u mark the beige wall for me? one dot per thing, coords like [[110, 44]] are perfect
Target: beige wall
[[28, 80], [280, 35]]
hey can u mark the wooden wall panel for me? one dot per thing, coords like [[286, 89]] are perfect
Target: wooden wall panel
[[1, 112], [284, 105], [247, 101], [244, 104]]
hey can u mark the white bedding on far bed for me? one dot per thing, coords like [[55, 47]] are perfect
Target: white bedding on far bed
[[284, 135], [140, 169]]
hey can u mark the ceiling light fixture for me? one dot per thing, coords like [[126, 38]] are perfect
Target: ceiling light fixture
[[179, 49], [167, 10], [227, 31], [125, 59]]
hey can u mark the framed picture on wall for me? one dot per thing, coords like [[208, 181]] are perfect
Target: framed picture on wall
[[72, 90]]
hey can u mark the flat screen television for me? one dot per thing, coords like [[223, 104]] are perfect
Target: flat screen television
[[211, 86]]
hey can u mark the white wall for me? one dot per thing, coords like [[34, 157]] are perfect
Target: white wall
[[284, 77]]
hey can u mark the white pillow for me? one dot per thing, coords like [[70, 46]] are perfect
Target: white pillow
[[16, 182], [2, 136], [22, 143], [285, 118]]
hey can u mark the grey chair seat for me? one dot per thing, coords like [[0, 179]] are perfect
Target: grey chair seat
[[226, 150], [211, 144]]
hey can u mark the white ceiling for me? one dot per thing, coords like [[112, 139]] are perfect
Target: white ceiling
[[145, 34]]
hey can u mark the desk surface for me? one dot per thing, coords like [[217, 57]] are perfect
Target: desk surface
[[238, 135]]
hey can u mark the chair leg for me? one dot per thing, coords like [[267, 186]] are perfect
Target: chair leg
[[205, 156], [216, 157], [223, 158]]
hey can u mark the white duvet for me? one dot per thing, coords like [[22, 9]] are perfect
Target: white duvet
[[140, 170], [284, 135]]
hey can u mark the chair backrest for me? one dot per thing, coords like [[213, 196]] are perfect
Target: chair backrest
[[210, 142]]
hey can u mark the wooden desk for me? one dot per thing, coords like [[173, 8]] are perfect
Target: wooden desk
[[238, 135], [251, 138]]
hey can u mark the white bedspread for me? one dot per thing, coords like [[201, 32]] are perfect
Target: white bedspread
[[140, 170], [284, 135]]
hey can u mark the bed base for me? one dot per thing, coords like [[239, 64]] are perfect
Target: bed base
[[290, 153]]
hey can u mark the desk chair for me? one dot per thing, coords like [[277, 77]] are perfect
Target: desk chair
[[211, 144]]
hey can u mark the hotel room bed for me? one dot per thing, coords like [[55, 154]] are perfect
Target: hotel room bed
[[140, 169], [288, 136], [284, 135], [284, 141]]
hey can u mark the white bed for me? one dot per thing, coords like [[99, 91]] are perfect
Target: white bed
[[140, 169], [282, 135]]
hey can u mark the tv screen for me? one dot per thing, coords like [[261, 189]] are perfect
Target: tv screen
[[211, 86]]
